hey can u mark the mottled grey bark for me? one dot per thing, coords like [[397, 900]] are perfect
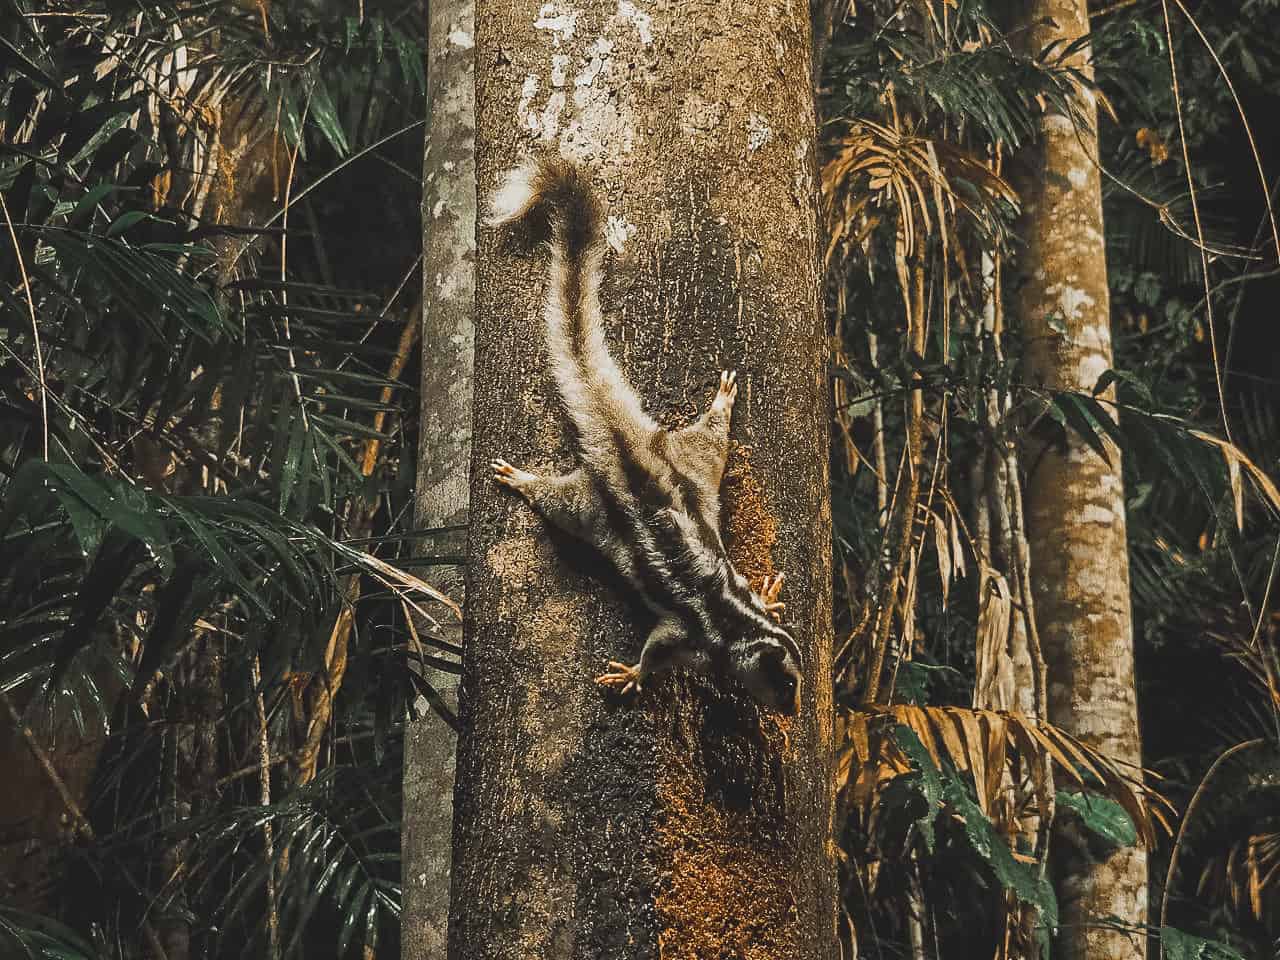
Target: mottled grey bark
[[1075, 499], [448, 346], [687, 822]]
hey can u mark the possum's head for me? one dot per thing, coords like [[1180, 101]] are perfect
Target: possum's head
[[768, 665]]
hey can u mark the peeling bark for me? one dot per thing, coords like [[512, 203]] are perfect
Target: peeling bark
[[685, 823], [1075, 500], [444, 452]]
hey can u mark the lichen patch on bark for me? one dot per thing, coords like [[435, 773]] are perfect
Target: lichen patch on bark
[[586, 64], [559, 20], [511, 559], [628, 12], [750, 529], [719, 899]]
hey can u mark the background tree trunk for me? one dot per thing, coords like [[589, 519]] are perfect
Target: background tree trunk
[[444, 453], [686, 821], [1075, 500]]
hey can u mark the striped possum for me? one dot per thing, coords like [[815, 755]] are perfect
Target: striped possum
[[645, 497]]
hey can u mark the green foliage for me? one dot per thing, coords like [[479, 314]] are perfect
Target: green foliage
[[190, 388], [1202, 585], [26, 936], [330, 842], [1184, 946], [1024, 880], [932, 792], [1101, 815], [923, 786], [970, 77]]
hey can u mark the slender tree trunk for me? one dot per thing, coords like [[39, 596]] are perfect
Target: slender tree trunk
[[1075, 500], [686, 822], [448, 348]]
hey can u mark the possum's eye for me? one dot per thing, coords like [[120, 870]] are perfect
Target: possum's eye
[[777, 681]]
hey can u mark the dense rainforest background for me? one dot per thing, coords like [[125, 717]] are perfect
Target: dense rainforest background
[[219, 613]]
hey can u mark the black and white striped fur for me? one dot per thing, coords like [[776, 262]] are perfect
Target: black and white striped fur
[[647, 498]]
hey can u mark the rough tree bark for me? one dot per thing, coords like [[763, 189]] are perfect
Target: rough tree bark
[[685, 823], [1075, 500], [444, 453]]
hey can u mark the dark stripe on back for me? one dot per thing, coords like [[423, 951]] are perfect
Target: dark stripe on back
[[633, 534], [576, 214], [575, 319], [576, 227], [690, 496]]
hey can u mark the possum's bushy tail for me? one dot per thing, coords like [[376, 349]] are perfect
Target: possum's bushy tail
[[554, 195]]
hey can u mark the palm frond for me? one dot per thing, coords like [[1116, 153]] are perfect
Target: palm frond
[[988, 746]]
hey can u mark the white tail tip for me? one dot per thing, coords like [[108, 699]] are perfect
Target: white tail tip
[[514, 196]]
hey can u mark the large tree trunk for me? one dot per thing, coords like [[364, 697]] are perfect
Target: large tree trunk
[[444, 453], [685, 822], [1075, 499]]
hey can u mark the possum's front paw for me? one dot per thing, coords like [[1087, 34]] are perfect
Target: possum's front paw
[[512, 477]]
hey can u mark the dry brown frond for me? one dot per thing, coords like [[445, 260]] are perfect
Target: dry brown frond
[[875, 169], [983, 744], [995, 609], [1235, 459], [1248, 873]]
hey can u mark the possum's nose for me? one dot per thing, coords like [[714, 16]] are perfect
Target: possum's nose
[[792, 707]]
